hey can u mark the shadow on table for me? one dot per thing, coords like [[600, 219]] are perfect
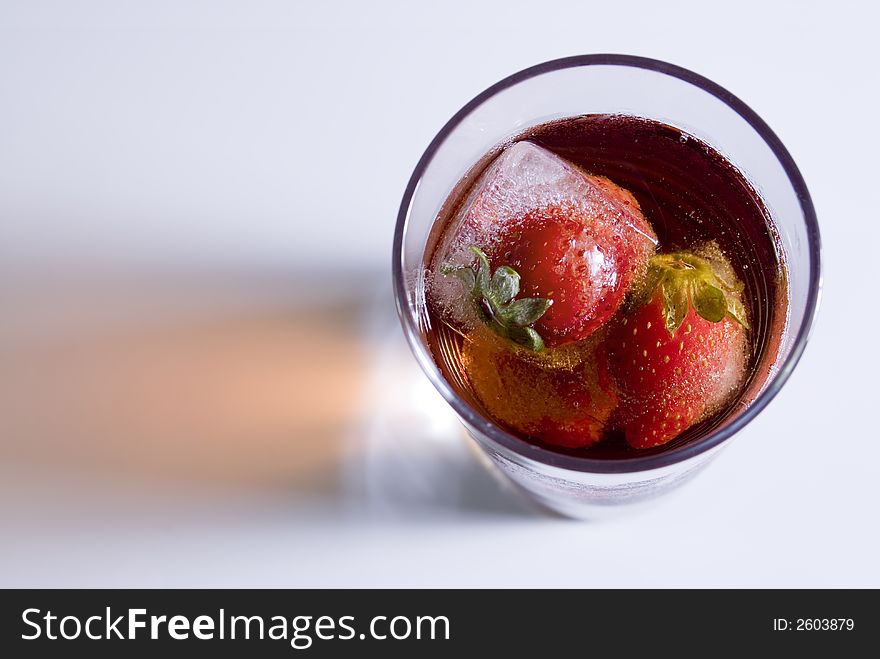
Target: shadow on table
[[235, 384]]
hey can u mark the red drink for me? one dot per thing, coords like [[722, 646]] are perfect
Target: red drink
[[558, 248]]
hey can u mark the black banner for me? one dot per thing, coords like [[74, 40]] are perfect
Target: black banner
[[279, 623]]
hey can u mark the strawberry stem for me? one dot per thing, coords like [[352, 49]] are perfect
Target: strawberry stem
[[494, 295], [686, 279]]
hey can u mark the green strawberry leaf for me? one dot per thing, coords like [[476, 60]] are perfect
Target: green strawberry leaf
[[505, 284], [528, 337], [709, 301], [482, 273], [675, 304], [495, 296], [737, 311], [643, 290], [525, 311]]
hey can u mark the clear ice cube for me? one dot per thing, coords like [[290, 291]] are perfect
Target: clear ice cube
[[525, 178]]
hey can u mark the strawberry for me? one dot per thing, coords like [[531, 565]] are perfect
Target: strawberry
[[562, 397], [681, 355], [577, 260], [575, 239]]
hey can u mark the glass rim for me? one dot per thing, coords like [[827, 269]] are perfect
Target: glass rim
[[508, 440]]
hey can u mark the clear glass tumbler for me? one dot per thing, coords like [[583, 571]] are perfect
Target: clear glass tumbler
[[612, 84]]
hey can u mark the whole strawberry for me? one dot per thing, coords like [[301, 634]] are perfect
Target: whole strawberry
[[564, 396], [574, 238], [682, 353]]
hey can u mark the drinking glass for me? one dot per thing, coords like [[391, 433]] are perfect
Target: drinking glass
[[582, 486]]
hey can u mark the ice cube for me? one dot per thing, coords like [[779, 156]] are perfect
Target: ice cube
[[613, 242]]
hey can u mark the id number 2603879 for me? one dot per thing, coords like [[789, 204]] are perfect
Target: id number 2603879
[[814, 624]]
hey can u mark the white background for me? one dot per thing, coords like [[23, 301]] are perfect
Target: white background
[[269, 138]]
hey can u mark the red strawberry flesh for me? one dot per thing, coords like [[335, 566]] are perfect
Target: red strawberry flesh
[[670, 379], [563, 397], [579, 263]]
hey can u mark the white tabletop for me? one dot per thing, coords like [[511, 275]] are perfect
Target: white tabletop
[[203, 382]]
